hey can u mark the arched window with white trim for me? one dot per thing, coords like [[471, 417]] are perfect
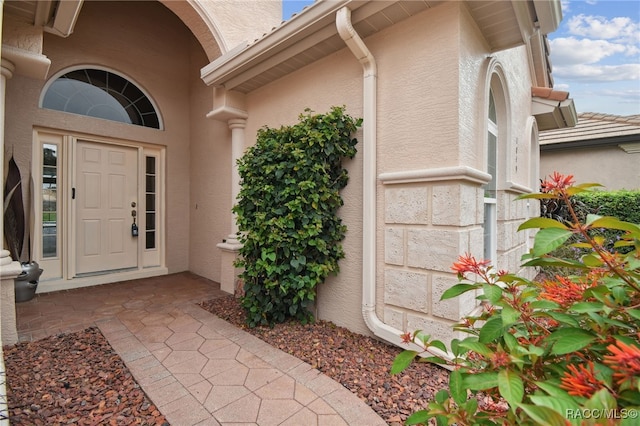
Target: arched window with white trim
[[101, 94]]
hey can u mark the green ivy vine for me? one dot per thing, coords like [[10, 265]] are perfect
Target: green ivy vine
[[287, 214]]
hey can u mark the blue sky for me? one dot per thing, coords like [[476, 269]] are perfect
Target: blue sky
[[595, 53]]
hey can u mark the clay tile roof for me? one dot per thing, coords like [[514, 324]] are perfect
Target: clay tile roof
[[595, 127], [548, 93]]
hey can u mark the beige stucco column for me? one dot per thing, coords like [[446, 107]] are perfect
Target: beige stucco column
[[9, 269], [231, 246], [237, 126]]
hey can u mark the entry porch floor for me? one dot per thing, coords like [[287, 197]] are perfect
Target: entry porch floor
[[196, 368]]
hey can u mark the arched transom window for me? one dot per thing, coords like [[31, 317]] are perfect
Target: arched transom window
[[101, 94]]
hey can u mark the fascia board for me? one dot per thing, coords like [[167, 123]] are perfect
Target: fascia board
[[549, 15], [626, 141], [65, 18]]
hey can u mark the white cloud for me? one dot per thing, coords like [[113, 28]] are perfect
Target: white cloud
[[626, 96], [598, 73], [622, 29], [572, 51]]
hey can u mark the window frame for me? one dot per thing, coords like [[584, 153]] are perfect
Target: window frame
[[109, 91]]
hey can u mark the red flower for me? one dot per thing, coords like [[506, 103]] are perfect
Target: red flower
[[625, 361], [406, 337], [557, 182], [500, 359], [581, 381], [563, 290], [468, 263]]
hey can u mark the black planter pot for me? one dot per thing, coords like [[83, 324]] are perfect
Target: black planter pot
[[27, 282]]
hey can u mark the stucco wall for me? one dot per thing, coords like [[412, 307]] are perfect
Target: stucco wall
[[336, 80], [433, 76], [241, 21], [147, 43], [609, 166], [210, 187]]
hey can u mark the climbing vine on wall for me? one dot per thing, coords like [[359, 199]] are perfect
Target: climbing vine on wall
[[287, 213]]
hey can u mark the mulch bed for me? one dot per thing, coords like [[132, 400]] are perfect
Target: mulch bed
[[360, 363], [74, 378]]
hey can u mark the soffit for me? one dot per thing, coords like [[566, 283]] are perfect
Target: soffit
[[312, 35], [498, 22], [24, 11], [55, 16]]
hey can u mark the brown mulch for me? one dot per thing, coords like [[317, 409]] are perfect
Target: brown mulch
[[360, 363], [74, 378]]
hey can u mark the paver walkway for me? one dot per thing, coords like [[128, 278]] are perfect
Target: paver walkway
[[196, 368]]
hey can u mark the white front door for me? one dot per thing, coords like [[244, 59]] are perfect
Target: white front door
[[106, 193]]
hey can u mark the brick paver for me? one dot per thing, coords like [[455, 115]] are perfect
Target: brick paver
[[196, 368]]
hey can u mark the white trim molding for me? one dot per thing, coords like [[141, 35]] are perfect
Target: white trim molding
[[462, 173]]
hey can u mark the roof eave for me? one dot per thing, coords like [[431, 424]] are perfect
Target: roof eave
[[549, 15], [629, 141], [64, 18], [553, 114], [246, 56]]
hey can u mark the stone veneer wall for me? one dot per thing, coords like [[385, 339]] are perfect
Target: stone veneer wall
[[427, 225]]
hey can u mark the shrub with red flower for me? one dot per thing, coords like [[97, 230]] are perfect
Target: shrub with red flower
[[581, 381], [563, 290], [543, 350], [625, 363]]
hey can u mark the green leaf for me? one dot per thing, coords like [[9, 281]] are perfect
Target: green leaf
[[492, 292], [438, 344], [553, 261], [509, 316], [609, 222], [552, 390], [481, 381], [635, 313], [566, 319], [543, 304], [560, 405], [510, 386], [402, 361], [441, 396], [478, 347], [601, 400], [434, 360], [542, 223], [419, 417], [585, 307], [456, 387], [491, 330], [457, 290], [549, 239], [543, 415], [569, 340], [511, 341]]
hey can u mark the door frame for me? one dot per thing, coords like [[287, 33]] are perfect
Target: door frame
[[60, 270]]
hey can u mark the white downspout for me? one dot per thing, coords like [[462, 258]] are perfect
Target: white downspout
[[369, 178]]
